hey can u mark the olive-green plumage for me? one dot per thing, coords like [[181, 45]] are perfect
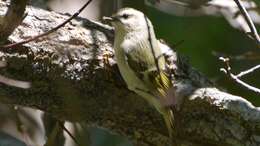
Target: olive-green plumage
[[140, 59]]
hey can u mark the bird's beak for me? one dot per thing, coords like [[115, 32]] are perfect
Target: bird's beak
[[110, 19]]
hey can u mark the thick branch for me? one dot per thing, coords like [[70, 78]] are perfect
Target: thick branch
[[12, 18], [70, 81]]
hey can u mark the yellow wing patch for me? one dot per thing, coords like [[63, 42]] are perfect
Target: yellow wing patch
[[162, 83]]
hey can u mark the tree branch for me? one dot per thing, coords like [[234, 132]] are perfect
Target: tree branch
[[70, 80], [249, 21], [47, 32], [227, 71], [12, 18]]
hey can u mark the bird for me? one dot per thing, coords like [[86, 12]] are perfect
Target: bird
[[140, 60]]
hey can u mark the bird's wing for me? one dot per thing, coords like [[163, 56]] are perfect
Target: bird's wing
[[142, 62]]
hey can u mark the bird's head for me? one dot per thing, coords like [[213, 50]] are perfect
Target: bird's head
[[128, 20]]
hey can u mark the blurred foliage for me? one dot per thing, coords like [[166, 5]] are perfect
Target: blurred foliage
[[101, 137], [203, 35], [8, 140], [137, 4], [53, 131]]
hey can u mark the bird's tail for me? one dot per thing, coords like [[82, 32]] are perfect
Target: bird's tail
[[169, 121]]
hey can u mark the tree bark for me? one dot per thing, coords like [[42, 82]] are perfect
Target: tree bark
[[12, 18], [71, 81]]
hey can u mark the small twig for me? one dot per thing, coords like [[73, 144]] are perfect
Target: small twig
[[69, 133], [244, 84], [227, 71], [108, 30], [255, 36], [249, 55], [248, 71], [152, 48], [48, 32], [249, 21], [15, 83]]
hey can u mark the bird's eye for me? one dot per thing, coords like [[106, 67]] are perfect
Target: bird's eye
[[125, 16]]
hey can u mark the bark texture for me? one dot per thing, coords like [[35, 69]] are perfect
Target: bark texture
[[12, 18], [71, 81]]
